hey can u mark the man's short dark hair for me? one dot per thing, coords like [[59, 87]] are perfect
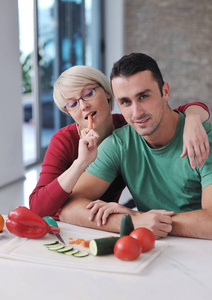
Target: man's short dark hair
[[136, 62]]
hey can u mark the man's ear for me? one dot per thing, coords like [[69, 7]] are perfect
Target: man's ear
[[166, 91]]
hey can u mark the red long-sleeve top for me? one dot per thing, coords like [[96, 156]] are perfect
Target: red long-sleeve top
[[48, 196]]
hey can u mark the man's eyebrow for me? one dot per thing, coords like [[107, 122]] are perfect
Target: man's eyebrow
[[143, 92], [137, 95]]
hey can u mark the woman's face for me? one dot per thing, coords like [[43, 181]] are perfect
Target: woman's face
[[97, 105]]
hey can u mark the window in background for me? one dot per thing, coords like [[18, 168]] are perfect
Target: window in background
[[67, 33]]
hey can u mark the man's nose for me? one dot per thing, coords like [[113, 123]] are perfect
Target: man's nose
[[137, 110]]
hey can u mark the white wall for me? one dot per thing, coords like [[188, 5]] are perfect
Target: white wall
[[114, 35], [11, 164]]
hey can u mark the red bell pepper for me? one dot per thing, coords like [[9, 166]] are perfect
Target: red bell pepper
[[25, 223]]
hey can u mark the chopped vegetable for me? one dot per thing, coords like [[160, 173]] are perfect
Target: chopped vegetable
[[103, 246], [72, 252], [51, 244], [78, 241], [71, 242], [81, 254], [85, 243], [56, 247], [65, 249]]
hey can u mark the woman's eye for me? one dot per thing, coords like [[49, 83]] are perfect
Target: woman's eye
[[88, 94], [72, 104]]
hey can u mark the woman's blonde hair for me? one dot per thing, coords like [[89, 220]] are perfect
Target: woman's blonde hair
[[79, 76]]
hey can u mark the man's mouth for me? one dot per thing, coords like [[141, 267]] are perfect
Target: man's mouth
[[141, 122]]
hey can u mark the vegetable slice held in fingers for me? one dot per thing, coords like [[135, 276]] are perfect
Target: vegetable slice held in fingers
[[90, 122]]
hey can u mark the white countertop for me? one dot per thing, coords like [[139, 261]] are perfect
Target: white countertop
[[183, 270]]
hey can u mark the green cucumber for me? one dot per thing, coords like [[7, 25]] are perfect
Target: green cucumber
[[71, 252], [51, 244], [103, 246], [65, 249], [56, 247], [81, 254], [126, 225]]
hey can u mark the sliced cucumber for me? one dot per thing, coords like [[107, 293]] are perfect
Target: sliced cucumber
[[81, 254], [103, 246], [65, 249], [71, 252], [56, 247], [51, 244]]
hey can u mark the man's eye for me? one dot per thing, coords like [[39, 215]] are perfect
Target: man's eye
[[125, 102], [143, 97]]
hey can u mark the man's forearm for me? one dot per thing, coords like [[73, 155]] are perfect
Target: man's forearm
[[76, 213], [194, 224]]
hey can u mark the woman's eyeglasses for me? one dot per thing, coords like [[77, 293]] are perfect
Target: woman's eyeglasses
[[86, 96]]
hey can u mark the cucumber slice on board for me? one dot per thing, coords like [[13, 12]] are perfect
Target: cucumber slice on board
[[81, 254], [71, 252], [56, 247], [65, 249], [51, 244]]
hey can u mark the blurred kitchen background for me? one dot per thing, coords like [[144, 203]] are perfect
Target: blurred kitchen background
[[39, 39]]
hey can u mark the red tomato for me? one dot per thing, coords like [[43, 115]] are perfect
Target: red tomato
[[145, 236], [127, 248]]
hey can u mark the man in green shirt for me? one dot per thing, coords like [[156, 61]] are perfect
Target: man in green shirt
[[171, 197]]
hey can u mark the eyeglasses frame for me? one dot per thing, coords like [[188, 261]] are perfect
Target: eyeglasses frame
[[81, 98]]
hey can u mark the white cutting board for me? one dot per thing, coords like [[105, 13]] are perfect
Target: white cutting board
[[34, 251]]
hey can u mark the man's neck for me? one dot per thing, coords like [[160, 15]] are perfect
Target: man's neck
[[165, 132]]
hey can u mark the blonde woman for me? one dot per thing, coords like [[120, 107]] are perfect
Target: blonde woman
[[79, 92]]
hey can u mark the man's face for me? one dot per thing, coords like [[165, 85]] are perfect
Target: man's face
[[140, 101]]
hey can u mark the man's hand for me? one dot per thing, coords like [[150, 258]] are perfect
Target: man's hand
[[158, 221], [101, 210]]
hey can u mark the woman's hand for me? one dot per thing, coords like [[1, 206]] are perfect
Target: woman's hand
[[88, 146], [101, 210], [195, 141]]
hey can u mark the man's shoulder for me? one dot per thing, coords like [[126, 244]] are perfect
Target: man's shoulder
[[122, 132]]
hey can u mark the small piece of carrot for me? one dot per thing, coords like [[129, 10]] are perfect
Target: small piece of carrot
[[85, 243], [90, 122], [71, 242], [78, 241]]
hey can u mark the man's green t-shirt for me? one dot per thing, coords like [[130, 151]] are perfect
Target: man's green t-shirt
[[156, 178]]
